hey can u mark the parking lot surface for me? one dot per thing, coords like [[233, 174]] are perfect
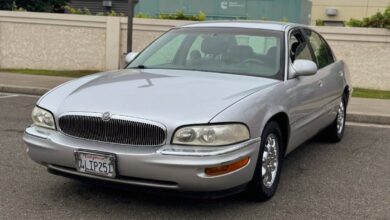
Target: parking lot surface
[[348, 180]]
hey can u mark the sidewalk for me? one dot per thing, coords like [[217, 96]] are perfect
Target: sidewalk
[[29, 84], [375, 111]]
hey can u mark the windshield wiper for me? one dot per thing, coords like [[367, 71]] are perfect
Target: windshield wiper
[[138, 67]]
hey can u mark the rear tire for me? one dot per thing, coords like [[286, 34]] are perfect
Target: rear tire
[[335, 131], [269, 162]]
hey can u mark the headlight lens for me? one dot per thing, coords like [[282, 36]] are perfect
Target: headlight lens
[[211, 135], [43, 118]]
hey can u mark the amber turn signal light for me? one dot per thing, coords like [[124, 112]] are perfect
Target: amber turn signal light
[[214, 171]]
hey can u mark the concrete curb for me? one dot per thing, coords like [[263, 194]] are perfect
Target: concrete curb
[[23, 90], [357, 117], [368, 118]]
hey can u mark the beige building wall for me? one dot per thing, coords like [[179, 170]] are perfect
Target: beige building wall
[[347, 9], [79, 42]]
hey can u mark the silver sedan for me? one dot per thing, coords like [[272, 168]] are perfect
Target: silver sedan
[[211, 108]]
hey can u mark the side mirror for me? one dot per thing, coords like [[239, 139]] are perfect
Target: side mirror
[[303, 68], [130, 57]]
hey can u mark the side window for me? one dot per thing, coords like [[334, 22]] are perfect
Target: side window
[[166, 54], [299, 49], [321, 50]]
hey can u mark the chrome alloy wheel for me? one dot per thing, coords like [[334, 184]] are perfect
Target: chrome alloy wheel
[[340, 118], [270, 160]]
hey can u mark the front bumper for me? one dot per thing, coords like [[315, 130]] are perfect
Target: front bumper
[[145, 166]]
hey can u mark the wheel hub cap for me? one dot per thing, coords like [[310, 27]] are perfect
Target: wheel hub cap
[[270, 160], [340, 118]]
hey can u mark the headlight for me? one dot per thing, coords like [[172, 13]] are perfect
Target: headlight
[[43, 118], [211, 135]]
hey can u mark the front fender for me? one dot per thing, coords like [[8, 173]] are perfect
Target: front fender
[[257, 109]]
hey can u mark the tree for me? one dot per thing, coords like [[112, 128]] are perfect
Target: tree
[[6, 4], [36, 5], [379, 20]]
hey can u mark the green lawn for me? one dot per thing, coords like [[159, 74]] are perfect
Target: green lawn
[[66, 73], [370, 93]]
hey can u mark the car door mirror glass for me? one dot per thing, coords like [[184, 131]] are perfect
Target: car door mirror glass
[[303, 68], [130, 57]]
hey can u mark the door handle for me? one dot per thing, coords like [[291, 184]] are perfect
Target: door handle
[[320, 83]]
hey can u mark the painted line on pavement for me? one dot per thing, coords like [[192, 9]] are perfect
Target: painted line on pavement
[[10, 95], [4, 95]]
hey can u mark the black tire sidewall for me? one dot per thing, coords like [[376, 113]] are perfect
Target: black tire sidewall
[[257, 186]]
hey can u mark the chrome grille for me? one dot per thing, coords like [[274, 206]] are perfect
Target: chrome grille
[[117, 131]]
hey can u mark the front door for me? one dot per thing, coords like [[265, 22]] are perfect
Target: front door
[[304, 94]]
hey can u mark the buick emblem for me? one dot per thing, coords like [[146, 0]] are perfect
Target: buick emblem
[[106, 116]]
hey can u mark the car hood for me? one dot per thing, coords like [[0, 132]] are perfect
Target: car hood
[[165, 96]]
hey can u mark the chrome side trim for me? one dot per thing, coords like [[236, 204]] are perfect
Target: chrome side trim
[[199, 151], [123, 181]]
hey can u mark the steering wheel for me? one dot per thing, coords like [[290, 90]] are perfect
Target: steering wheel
[[252, 60]]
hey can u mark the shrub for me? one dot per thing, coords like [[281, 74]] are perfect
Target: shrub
[[77, 11], [113, 13], [180, 15], [86, 11], [320, 22], [201, 16], [142, 15], [284, 19], [379, 20], [355, 23], [36, 5], [6, 4]]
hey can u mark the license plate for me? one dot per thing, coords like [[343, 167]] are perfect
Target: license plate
[[95, 163]]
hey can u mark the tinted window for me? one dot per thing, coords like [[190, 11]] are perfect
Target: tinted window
[[321, 50], [226, 50]]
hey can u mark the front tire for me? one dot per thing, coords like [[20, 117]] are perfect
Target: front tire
[[267, 173]]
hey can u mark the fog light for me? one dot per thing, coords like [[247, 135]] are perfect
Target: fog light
[[214, 171]]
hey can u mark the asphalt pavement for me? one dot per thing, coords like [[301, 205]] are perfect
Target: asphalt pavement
[[348, 180]]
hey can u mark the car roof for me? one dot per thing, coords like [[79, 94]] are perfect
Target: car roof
[[265, 25]]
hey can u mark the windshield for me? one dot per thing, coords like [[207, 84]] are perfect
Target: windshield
[[239, 51]]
